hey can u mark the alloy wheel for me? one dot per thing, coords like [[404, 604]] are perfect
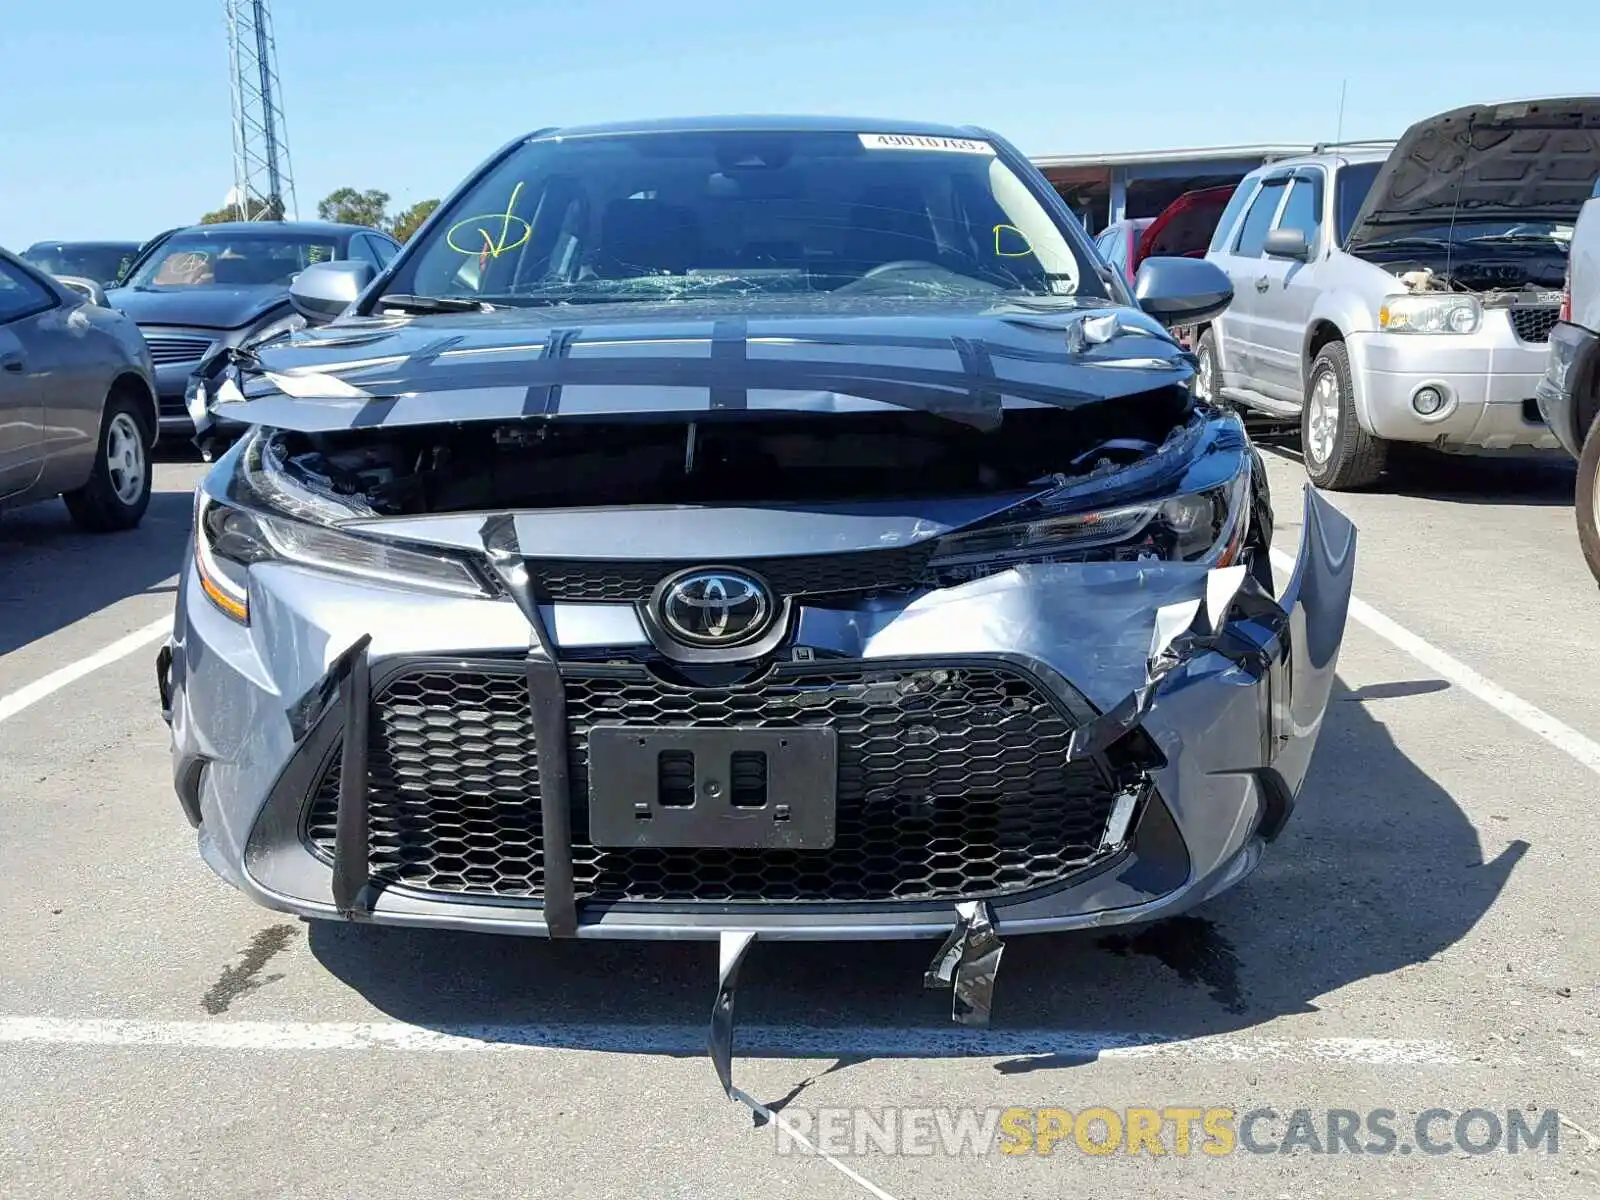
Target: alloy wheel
[[1322, 422]]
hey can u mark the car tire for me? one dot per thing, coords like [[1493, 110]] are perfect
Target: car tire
[[1587, 500], [118, 490], [1207, 373], [1339, 455]]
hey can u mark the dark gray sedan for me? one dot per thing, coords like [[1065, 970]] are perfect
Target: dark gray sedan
[[210, 287], [77, 402]]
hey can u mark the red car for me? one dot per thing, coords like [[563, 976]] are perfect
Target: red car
[[1183, 230]]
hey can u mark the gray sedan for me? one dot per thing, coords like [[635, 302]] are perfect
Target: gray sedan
[[77, 402]]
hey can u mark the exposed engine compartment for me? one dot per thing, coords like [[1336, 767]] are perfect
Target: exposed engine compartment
[[726, 457], [1485, 273]]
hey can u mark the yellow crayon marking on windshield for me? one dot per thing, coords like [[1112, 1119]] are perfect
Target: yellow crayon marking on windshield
[[492, 247], [1027, 247]]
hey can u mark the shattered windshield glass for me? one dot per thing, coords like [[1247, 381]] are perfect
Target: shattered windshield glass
[[672, 216]]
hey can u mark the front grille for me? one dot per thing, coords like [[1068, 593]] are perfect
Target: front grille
[[858, 573], [952, 784], [1534, 323], [166, 349], [172, 406]]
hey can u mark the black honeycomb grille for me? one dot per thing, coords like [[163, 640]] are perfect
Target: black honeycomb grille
[[952, 784], [859, 573], [1533, 324]]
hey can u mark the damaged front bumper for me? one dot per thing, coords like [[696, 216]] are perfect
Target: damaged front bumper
[[1188, 699]]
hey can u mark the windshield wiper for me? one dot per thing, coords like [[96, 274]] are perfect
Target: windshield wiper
[[1386, 243], [408, 303], [1515, 238]]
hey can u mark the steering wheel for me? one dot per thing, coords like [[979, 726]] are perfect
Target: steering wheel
[[899, 264]]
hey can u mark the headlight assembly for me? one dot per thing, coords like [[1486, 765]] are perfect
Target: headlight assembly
[[266, 519], [1206, 526], [1421, 313]]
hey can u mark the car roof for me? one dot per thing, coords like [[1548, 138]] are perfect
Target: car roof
[[309, 228], [1341, 157], [48, 242], [747, 123]]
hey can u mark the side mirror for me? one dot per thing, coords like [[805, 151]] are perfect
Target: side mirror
[[85, 287], [1288, 243], [1181, 291], [324, 290]]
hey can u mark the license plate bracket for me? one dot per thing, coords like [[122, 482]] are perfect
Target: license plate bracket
[[697, 788]]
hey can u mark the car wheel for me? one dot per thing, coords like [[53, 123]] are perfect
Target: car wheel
[[1587, 500], [1339, 454], [1205, 371], [118, 490]]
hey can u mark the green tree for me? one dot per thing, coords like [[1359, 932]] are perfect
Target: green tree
[[408, 222], [232, 212], [351, 207]]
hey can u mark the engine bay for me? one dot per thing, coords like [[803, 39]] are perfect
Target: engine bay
[[733, 457]]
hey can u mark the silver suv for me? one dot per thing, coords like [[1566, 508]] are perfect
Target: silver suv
[[1407, 294]]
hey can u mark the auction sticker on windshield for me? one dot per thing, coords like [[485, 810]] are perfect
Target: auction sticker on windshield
[[916, 141]]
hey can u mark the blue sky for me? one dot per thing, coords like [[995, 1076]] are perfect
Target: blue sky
[[116, 120]]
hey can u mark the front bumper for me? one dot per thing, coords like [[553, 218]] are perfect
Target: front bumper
[[1488, 379], [1572, 360], [1214, 765]]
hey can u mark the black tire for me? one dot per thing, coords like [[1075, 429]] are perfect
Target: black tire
[[108, 503], [1587, 497], [1205, 352], [1352, 457]]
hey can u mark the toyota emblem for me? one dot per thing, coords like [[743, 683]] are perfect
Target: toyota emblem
[[714, 608]]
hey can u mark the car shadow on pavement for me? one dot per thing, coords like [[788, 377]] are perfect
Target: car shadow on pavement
[[52, 575], [1547, 481], [1379, 870]]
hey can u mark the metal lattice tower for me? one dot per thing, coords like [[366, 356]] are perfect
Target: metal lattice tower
[[263, 184]]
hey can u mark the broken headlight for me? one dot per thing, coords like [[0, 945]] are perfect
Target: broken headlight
[[267, 517], [1209, 526]]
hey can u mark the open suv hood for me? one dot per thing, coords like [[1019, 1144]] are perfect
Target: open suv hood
[[1528, 160]]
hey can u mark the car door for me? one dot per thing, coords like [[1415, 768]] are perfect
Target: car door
[[1219, 251], [1284, 306], [26, 306], [1239, 326]]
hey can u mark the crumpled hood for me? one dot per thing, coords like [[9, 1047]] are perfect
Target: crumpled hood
[[1530, 160], [202, 307], [965, 360]]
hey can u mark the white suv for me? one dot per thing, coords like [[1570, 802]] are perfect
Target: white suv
[[1404, 295]]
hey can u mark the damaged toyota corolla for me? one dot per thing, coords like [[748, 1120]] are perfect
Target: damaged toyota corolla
[[776, 528]]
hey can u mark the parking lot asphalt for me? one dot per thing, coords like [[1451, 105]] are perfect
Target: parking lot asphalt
[[1422, 936]]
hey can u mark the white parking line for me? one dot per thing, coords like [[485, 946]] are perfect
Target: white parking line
[[1563, 737], [761, 1040], [29, 694]]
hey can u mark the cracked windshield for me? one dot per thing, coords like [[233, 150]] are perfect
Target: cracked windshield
[[716, 601]]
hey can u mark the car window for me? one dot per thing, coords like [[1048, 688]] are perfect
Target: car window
[[233, 257], [20, 294], [1105, 241], [385, 250], [1117, 254], [1230, 215], [362, 250], [1303, 209], [1349, 190], [1253, 230], [660, 216]]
